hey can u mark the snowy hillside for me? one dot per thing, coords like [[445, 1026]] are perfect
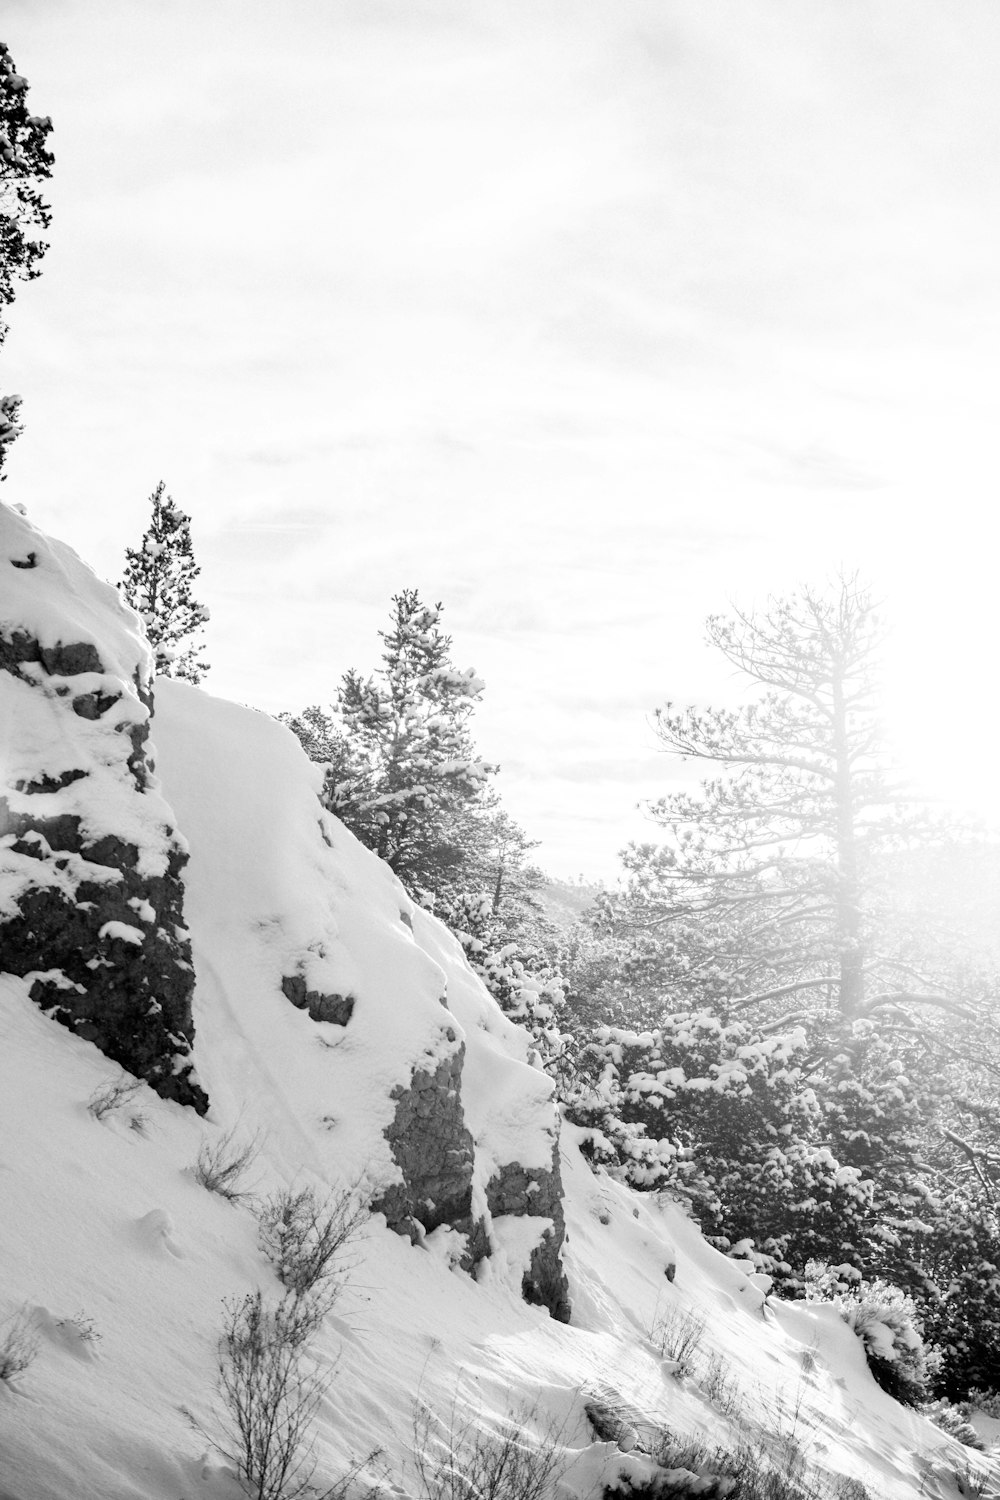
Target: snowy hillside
[[342, 1042]]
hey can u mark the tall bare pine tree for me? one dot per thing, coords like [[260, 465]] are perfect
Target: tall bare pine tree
[[780, 855]]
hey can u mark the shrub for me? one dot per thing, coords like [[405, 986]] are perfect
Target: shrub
[[690, 1468], [678, 1335], [978, 1480], [952, 1420], [270, 1396], [18, 1344], [108, 1098], [221, 1165], [719, 1384], [988, 1402], [82, 1326], [461, 1460], [673, 1484], [303, 1237], [885, 1320]]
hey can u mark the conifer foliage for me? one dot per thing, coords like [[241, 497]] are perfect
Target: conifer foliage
[[25, 161], [811, 1066], [782, 841], [402, 772], [159, 576]]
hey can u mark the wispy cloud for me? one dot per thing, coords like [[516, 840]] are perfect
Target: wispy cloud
[[583, 319]]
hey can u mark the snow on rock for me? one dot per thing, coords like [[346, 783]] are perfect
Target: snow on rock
[[391, 1063], [347, 1047], [84, 831]]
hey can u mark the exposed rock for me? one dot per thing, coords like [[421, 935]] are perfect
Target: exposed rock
[[434, 1151], [335, 1008], [537, 1193], [129, 995], [91, 897]]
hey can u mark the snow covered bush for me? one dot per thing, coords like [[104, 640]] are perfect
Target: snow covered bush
[[303, 1236], [723, 1117], [82, 1327], [683, 1469], [114, 1096], [885, 1320], [985, 1401], [956, 1278], [952, 1420], [459, 1458], [717, 1379], [221, 1165], [525, 984], [677, 1335], [18, 1344]]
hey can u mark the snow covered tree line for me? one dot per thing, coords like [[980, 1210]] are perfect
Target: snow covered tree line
[[783, 1039], [761, 1018]]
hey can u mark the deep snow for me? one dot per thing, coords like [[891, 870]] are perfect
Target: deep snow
[[105, 1223]]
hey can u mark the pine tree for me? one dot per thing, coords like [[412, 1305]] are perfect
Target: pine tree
[[158, 578], [798, 1056], [25, 161], [402, 771], [783, 848]]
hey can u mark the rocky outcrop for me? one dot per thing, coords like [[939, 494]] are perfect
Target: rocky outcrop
[[433, 1149], [537, 1193], [335, 1008], [91, 900]]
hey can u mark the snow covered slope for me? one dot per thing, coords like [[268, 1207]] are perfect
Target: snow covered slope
[[339, 1031], [279, 894]]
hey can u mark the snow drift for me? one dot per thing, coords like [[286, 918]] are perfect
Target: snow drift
[[336, 1035]]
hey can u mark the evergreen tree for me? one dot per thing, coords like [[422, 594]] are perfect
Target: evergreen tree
[[781, 852], [402, 771], [25, 161], [159, 575], [792, 1053]]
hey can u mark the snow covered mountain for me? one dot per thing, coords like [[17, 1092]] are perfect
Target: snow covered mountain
[[175, 903]]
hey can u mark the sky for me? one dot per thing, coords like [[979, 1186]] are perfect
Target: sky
[[587, 320]]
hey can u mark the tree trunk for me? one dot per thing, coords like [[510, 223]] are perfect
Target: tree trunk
[[850, 948]]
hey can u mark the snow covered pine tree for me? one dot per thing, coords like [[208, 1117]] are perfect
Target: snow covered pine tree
[[157, 584], [402, 771]]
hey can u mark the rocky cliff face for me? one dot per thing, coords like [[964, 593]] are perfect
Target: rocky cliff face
[[325, 999], [91, 899]]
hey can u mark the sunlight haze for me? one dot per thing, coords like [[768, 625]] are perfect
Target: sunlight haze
[[584, 319]]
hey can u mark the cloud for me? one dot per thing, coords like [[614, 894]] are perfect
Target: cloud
[[584, 320]]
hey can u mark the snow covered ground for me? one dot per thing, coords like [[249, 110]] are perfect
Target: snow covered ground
[[119, 1262]]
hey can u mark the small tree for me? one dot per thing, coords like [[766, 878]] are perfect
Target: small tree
[[158, 578], [401, 769], [25, 161]]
